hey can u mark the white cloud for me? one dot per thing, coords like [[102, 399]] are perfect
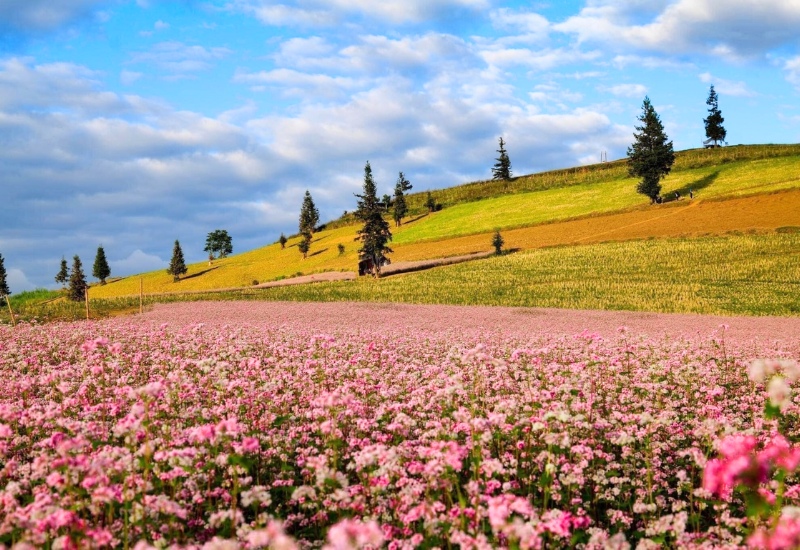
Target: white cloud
[[792, 68], [330, 12], [727, 87], [545, 59], [739, 28], [160, 25], [136, 262], [129, 77], [18, 281], [626, 90], [525, 26], [296, 83], [43, 15], [180, 58]]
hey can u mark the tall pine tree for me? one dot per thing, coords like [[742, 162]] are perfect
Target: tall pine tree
[[77, 281], [714, 129], [309, 218], [502, 168], [63, 274], [177, 265], [100, 270], [309, 215], [651, 156], [375, 234], [400, 205], [4, 290]]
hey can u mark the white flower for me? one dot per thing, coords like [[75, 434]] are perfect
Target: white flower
[[779, 392]]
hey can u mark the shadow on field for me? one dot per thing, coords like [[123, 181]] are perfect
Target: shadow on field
[[193, 275], [317, 252], [694, 186]]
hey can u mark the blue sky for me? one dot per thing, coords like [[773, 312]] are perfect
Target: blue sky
[[130, 123]]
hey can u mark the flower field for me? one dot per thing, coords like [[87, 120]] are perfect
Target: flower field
[[187, 428]]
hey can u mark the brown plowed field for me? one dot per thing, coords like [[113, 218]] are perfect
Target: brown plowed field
[[687, 218]]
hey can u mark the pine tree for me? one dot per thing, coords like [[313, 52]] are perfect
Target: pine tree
[[498, 242], [651, 156], [400, 205], [714, 129], [304, 245], [404, 183], [100, 270], [502, 168], [63, 274], [309, 215], [375, 234], [430, 203], [77, 281], [4, 291], [177, 265], [283, 241]]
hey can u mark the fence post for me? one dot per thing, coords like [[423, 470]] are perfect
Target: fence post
[[10, 311], [86, 295]]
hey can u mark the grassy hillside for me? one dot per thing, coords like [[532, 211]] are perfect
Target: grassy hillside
[[730, 275], [753, 188]]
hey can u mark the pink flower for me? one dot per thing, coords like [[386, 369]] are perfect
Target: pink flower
[[350, 534]]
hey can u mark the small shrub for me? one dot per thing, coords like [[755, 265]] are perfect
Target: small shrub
[[340, 246], [498, 242]]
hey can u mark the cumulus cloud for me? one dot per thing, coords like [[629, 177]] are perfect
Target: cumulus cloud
[[42, 15], [330, 12], [136, 262], [792, 69], [18, 281], [179, 58], [737, 29], [727, 87], [626, 90]]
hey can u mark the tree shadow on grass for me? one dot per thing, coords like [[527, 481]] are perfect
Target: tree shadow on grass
[[318, 252], [193, 275], [694, 186]]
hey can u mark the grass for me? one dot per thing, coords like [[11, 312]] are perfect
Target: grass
[[730, 275], [734, 179], [584, 204]]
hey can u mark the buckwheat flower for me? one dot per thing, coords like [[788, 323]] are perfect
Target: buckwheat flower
[[350, 534], [790, 368], [272, 536], [760, 370], [221, 544], [779, 392]]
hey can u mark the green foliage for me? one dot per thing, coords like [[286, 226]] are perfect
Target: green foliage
[[4, 290], [282, 240], [100, 270], [77, 281], [63, 274], [375, 234], [502, 168], [177, 265], [713, 123], [304, 245], [430, 202], [651, 156], [309, 215], [400, 205], [218, 242], [497, 242]]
